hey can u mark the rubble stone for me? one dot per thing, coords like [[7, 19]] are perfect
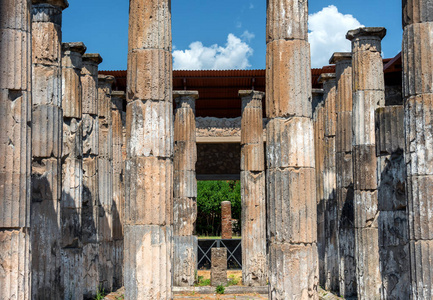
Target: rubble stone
[[218, 275]]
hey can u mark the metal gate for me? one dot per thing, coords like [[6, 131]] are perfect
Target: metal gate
[[234, 253]]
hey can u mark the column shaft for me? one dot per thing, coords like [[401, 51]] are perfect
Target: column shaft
[[185, 189], [343, 138], [90, 206], [72, 172], [330, 184], [392, 203], [368, 94], [417, 57], [253, 190], [117, 101], [15, 146], [46, 149], [149, 166], [292, 207]]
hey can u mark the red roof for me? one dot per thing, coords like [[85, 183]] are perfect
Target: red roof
[[218, 90]]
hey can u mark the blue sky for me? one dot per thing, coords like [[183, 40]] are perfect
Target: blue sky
[[226, 34]]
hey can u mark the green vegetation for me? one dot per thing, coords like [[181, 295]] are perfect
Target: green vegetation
[[100, 294], [220, 289], [202, 282], [210, 194], [233, 280]]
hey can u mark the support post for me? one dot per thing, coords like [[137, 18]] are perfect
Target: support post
[[344, 173], [292, 208], [149, 164], [253, 190], [417, 57], [90, 208], [368, 94], [15, 148], [185, 189]]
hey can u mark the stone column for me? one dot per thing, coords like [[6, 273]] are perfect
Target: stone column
[[292, 208], [185, 189], [117, 100], [72, 174], [392, 204], [417, 57], [15, 148], [90, 207], [319, 146], [344, 171], [226, 220], [330, 183], [149, 164], [368, 94], [105, 175], [253, 190], [46, 148]]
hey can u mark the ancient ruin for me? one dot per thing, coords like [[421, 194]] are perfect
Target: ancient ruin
[[99, 169]]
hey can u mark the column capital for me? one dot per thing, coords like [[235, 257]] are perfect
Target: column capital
[[92, 58], [250, 93], [62, 4], [180, 94], [106, 79], [78, 47], [338, 57], [326, 77], [378, 32]]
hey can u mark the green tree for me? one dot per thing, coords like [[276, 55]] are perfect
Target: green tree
[[210, 194]]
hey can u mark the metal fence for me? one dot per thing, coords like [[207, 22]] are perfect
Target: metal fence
[[234, 253]]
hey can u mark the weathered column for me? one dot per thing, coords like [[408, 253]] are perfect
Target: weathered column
[[149, 164], [46, 148], [319, 147], [72, 173], [226, 220], [417, 57], [292, 208], [253, 190], [368, 94], [15, 148], [105, 175], [117, 100], [330, 183], [185, 189], [90, 206], [392, 203], [344, 171]]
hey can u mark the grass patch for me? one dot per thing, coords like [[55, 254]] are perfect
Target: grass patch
[[220, 289], [202, 282]]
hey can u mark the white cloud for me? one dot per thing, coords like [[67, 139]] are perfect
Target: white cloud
[[328, 29], [247, 36], [234, 55]]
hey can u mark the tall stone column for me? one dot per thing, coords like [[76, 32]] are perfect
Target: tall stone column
[[292, 208], [105, 175], [368, 94], [15, 148], [46, 148], [319, 147], [90, 208], [72, 174], [226, 220], [185, 189], [417, 57], [253, 190], [344, 170], [392, 203], [149, 165], [330, 183], [117, 100]]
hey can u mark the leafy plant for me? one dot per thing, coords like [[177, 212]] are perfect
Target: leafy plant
[[202, 282], [100, 294], [220, 289], [233, 280]]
